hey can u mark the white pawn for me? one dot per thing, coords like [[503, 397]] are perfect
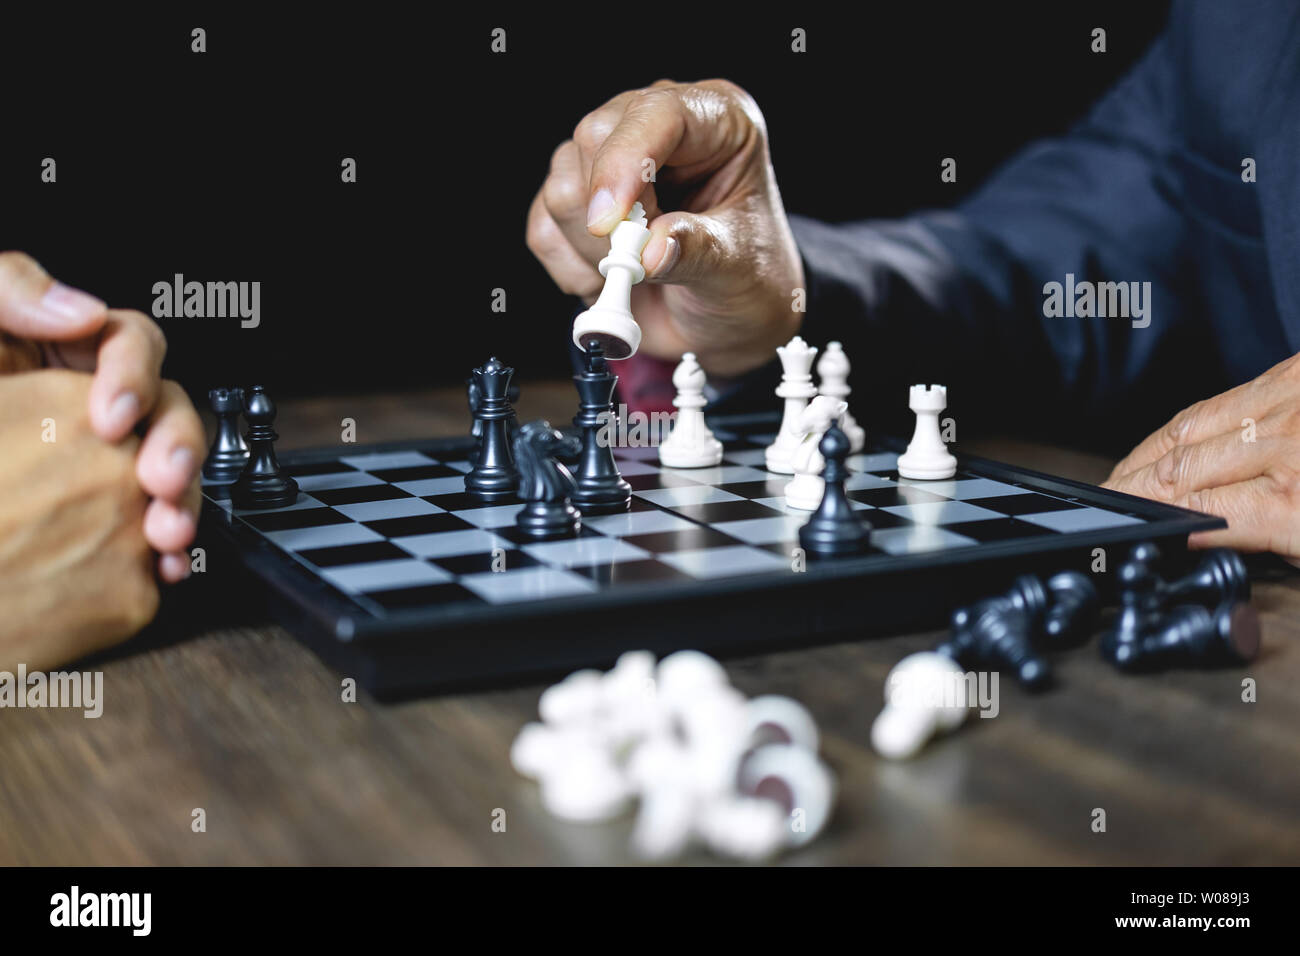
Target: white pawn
[[610, 318], [796, 388], [805, 491], [925, 694], [927, 458], [833, 368], [690, 444]]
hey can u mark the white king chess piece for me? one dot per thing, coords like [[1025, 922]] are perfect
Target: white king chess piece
[[690, 444], [927, 458], [796, 388], [833, 369], [610, 320], [805, 491]]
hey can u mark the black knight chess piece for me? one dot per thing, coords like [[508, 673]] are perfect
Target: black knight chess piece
[[494, 476], [545, 484], [262, 484], [835, 529], [600, 488], [228, 455]]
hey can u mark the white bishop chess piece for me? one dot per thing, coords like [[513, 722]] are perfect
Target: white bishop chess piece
[[927, 458], [609, 320], [796, 388], [833, 369], [690, 444], [805, 491]]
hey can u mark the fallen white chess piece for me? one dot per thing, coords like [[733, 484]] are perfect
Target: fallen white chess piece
[[740, 776], [925, 694]]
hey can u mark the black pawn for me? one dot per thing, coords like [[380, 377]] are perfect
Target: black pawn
[[228, 454], [1139, 604], [1000, 631], [835, 529], [1193, 635], [545, 485], [600, 488], [1219, 577], [494, 475], [261, 484]]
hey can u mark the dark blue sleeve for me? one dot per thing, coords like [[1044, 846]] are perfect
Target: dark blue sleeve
[[957, 296]]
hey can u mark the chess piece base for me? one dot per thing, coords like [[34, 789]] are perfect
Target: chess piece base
[[264, 492], [542, 521]]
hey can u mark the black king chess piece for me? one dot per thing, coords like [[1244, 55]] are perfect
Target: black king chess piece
[[600, 488], [494, 475], [835, 529], [228, 455], [261, 484], [544, 483]]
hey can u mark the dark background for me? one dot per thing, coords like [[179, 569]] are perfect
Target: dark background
[[225, 166]]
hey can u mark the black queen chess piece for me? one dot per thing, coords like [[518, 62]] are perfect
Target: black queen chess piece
[[600, 488], [544, 483], [262, 484], [228, 454], [494, 475], [835, 529]]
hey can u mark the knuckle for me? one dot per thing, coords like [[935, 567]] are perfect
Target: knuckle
[[562, 194], [543, 236], [592, 130]]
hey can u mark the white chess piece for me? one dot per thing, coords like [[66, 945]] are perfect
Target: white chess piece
[[927, 458], [925, 694], [610, 318], [690, 444], [801, 778], [805, 491], [833, 368], [796, 388]]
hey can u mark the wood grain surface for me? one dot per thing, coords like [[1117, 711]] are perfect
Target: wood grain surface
[[228, 713]]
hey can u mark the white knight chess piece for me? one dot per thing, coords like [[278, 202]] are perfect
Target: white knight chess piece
[[833, 369], [610, 320], [927, 458], [805, 491], [690, 444], [796, 388]]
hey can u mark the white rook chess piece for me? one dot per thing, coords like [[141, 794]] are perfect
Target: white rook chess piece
[[610, 319], [690, 444], [796, 388], [927, 458], [833, 368], [925, 693], [805, 491]]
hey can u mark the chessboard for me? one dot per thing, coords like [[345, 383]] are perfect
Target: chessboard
[[397, 577]]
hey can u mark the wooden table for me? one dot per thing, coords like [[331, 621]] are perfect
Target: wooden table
[[238, 719]]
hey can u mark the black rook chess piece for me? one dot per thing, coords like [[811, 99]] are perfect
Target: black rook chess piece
[[545, 485], [494, 475], [600, 488], [228, 455], [261, 484], [835, 529]]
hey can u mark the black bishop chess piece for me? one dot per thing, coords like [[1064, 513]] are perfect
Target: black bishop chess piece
[[494, 476], [228, 454], [600, 488], [262, 484], [835, 529], [545, 484]]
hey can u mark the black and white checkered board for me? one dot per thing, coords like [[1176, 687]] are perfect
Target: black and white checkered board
[[393, 570]]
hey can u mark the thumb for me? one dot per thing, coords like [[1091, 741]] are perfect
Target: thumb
[[688, 248], [33, 305]]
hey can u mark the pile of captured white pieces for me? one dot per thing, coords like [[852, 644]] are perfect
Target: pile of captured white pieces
[[706, 764]]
